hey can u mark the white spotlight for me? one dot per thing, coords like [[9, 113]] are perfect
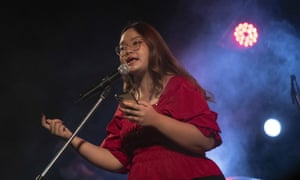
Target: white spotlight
[[272, 127]]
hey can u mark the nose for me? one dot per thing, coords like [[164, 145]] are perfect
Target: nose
[[128, 51]]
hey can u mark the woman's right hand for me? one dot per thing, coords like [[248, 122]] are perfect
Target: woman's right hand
[[56, 127], [95, 154]]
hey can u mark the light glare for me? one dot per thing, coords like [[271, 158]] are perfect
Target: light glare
[[272, 127], [245, 34]]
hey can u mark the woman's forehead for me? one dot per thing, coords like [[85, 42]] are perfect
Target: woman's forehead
[[129, 35]]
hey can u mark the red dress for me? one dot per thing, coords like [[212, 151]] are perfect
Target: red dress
[[148, 155]]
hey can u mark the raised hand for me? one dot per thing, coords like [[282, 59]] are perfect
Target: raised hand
[[56, 127]]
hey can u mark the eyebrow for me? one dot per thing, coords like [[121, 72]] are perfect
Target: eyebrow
[[136, 37]]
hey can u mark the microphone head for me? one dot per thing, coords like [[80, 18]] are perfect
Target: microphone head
[[123, 69]]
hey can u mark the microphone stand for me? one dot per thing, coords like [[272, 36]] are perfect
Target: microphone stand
[[297, 98], [295, 91], [103, 95]]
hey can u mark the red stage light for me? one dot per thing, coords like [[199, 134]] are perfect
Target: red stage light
[[245, 34]]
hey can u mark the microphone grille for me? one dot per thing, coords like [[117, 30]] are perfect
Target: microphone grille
[[123, 69]]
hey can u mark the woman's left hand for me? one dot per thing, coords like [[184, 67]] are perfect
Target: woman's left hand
[[142, 112]]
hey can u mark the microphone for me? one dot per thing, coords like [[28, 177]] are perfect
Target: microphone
[[122, 70]]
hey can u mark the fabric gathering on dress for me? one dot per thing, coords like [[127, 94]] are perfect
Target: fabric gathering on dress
[[148, 154]]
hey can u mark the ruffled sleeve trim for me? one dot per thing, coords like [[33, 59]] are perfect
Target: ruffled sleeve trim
[[184, 101]]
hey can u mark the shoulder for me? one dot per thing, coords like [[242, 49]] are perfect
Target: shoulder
[[180, 81]]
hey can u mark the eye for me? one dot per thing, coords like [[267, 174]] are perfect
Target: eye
[[122, 48], [136, 42]]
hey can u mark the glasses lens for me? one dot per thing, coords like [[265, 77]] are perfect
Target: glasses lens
[[117, 50], [135, 45]]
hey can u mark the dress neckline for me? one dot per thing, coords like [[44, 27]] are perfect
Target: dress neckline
[[164, 90]]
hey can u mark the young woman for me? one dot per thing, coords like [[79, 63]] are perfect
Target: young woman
[[165, 133]]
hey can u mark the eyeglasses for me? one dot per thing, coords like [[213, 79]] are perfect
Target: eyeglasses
[[133, 45]]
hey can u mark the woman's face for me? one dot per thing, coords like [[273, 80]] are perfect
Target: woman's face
[[134, 51]]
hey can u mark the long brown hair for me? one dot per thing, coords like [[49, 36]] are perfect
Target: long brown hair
[[161, 60]]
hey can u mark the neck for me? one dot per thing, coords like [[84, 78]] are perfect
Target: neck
[[144, 87]]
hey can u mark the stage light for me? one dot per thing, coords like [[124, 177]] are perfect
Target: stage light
[[245, 34], [272, 127]]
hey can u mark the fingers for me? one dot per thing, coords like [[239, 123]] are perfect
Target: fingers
[[132, 118], [55, 126], [134, 109], [129, 104], [129, 112], [44, 122]]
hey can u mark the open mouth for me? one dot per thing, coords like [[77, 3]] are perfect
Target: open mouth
[[131, 60]]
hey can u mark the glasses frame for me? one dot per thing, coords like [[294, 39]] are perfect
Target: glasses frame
[[134, 45]]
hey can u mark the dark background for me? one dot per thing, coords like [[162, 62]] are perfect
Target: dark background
[[50, 53]]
